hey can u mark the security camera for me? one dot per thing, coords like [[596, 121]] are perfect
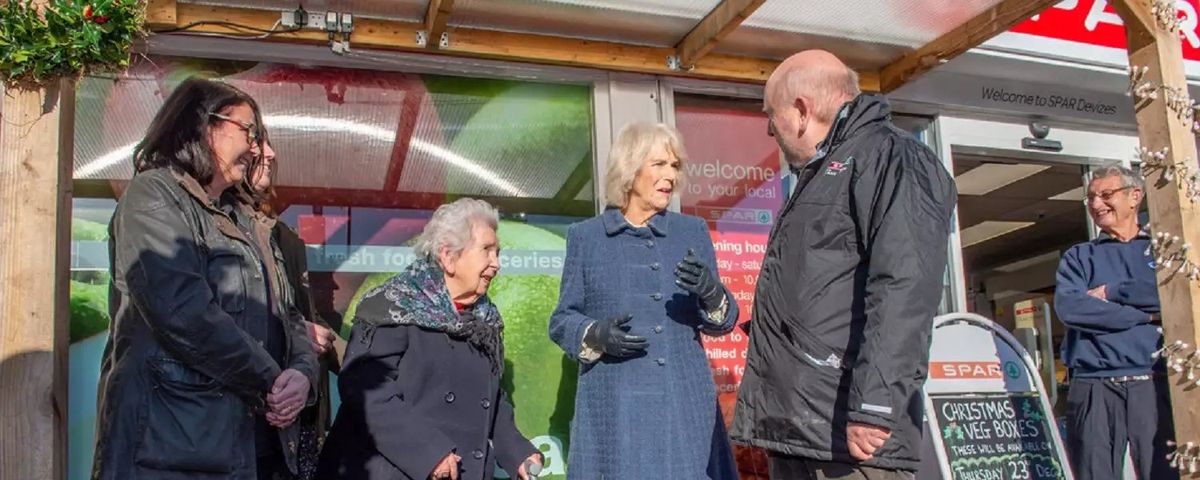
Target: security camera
[[1039, 140], [1039, 130]]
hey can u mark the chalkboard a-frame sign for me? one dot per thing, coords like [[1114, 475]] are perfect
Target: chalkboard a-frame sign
[[986, 407], [997, 437]]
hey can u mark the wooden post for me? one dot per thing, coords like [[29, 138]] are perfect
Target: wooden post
[[36, 155], [1171, 209]]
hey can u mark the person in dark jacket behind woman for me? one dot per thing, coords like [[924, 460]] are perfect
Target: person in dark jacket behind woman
[[288, 274], [640, 286], [420, 383], [195, 355]]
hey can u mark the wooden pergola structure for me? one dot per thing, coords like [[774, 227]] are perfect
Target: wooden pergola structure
[[36, 153]]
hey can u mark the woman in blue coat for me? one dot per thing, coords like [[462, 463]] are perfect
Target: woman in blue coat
[[639, 287]]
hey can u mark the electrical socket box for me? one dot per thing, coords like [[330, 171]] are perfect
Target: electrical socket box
[[316, 20], [312, 20]]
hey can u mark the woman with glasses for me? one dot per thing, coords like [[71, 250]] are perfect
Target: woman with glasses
[[195, 359], [290, 278]]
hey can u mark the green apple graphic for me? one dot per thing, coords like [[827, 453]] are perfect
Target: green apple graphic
[[89, 290]]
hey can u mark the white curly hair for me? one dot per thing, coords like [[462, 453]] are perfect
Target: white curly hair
[[451, 226]]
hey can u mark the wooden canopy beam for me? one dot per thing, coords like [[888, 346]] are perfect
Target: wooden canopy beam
[[436, 18], [370, 33], [1171, 208], [160, 14], [993, 21], [720, 22]]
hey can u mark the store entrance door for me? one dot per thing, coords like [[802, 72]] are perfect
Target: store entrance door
[[1016, 218]]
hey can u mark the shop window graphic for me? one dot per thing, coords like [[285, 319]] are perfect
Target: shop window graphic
[[734, 183], [363, 159]]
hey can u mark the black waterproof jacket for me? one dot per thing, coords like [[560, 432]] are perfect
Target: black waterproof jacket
[[845, 302], [183, 373]]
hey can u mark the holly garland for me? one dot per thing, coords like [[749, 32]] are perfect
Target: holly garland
[[66, 39]]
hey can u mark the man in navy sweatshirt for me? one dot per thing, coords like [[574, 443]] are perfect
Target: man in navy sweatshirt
[[1107, 297]]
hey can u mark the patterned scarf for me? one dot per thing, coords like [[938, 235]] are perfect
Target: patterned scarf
[[418, 296]]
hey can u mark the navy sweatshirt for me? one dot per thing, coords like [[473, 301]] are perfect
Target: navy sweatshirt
[[1113, 338]]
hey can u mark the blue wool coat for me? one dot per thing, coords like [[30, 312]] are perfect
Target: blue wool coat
[[655, 415]]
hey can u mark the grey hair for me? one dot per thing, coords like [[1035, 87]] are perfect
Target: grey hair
[[629, 152], [451, 226], [1129, 178]]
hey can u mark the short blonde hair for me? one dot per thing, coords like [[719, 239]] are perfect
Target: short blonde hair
[[629, 152]]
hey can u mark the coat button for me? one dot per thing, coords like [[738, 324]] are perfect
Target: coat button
[[656, 296], [650, 243], [662, 361], [478, 454], [655, 266], [449, 397], [486, 404], [658, 329]]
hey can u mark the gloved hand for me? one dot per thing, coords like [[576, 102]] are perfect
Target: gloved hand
[[612, 337], [695, 277]]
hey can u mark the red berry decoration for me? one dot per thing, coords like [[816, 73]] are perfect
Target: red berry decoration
[[101, 19], [87, 11]]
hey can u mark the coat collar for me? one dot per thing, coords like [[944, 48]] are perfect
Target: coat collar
[[614, 222], [865, 109], [224, 224], [1105, 237], [193, 188]]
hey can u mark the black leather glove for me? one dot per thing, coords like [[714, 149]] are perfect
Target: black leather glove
[[612, 337], [695, 277]]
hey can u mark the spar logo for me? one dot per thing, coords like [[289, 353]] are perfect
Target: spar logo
[[1012, 370], [752, 216], [1095, 22], [966, 370]]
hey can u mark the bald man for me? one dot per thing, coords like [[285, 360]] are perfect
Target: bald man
[[839, 342]]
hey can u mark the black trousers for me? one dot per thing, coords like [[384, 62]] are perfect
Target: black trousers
[[1104, 416], [784, 467], [273, 467]]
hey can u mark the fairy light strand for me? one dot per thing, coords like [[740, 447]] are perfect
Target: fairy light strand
[[1166, 13]]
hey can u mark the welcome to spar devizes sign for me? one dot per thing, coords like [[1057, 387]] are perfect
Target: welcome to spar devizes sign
[[986, 410]]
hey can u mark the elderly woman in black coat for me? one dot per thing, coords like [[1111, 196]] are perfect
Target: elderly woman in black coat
[[420, 383]]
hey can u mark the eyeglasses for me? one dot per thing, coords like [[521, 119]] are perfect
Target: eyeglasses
[[250, 128], [1106, 195]]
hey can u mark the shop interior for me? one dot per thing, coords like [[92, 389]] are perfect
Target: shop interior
[[1016, 219]]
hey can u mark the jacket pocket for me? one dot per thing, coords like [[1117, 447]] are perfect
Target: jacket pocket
[[226, 278], [192, 424], [811, 349]]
